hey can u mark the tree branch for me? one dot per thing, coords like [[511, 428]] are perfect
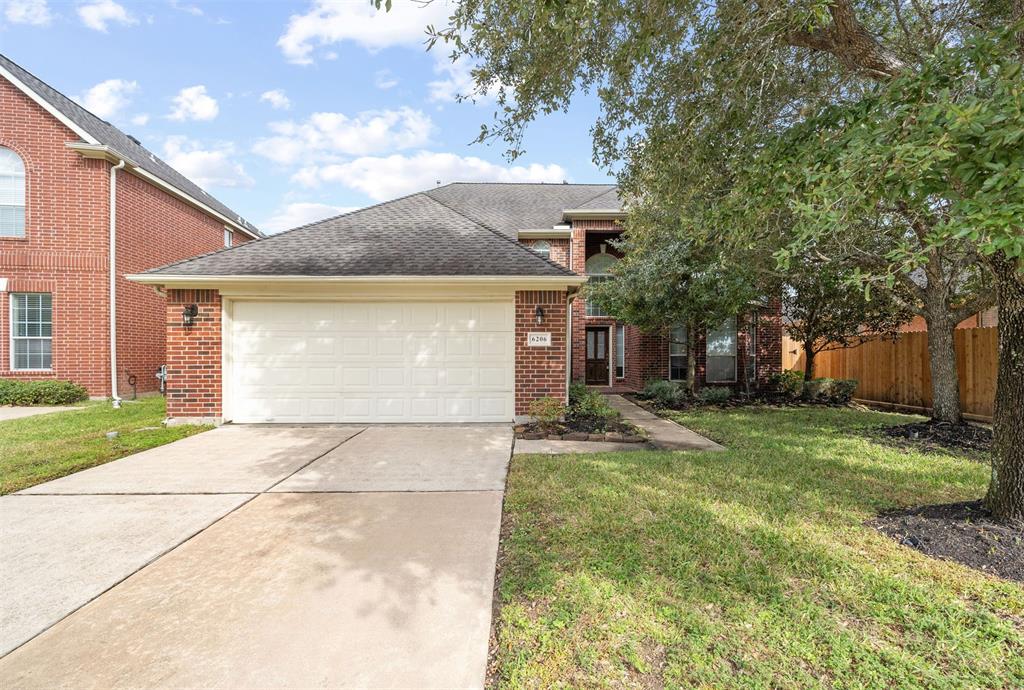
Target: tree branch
[[852, 44]]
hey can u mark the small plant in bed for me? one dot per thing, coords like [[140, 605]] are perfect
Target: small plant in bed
[[587, 417]]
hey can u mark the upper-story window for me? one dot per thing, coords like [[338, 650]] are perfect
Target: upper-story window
[[12, 194], [542, 247], [598, 268], [229, 238]]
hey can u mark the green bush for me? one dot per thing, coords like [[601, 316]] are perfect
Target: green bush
[[14, 392], [834, 391], [588, 408], [788, 383], [664, 393], [547, 411], [715, 395]]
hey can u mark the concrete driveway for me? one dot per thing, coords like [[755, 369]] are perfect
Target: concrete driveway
[[260, 556]]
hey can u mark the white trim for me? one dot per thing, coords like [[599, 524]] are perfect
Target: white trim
[[227, 312], [47, 106], [214, 280], [104, 152], [542, 234]]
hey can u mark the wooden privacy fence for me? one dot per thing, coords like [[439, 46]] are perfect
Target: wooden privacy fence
[[896, 372]]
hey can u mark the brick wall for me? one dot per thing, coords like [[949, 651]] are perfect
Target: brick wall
[[194, 355], [65, 252], [153, 228], [559, 250], [540, 371]]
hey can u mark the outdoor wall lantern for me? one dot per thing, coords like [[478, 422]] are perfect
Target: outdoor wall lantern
[[189, 314], [539, 312]]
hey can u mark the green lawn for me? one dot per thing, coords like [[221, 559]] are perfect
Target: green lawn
[[749, 568], [36, 449]]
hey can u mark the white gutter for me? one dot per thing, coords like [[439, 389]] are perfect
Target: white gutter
[[568, 343], [113, 283], [200, 280]]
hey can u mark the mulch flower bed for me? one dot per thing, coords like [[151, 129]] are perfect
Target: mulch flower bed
[[931, 436], [961, 532], [582, 430]]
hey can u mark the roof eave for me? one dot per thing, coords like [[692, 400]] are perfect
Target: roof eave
[[108, 153], [214, 280], [594, 213]]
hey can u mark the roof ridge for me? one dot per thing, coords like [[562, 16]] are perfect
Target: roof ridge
[[596, 196], [523, 184], [501, 235]]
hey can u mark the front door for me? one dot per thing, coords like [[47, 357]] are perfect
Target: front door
[[597, 356]]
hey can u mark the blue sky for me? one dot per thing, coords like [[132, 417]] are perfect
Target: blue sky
[[287, 112]]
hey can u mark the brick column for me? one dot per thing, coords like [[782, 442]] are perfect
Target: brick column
[[769, 341], [194, 357], [540, 371]]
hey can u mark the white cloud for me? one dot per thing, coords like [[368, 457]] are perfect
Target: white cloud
[[327, 134], [277, 99], [34, 12], [97, 15], [141, 119], [192, 103], [188, 9], [108, 97], [384, 80], [212, 167], [333, 21], [383, 178], [301, 213]]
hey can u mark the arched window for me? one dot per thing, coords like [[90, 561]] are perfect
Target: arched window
[[12, 194], [542, 247], [599, 267]]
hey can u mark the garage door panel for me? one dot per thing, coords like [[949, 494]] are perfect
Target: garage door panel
[[367, 362]]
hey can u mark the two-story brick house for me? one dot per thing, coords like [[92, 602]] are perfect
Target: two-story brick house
[[81, 205], [461, 303]]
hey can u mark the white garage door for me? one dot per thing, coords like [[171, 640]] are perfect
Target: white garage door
[[371, 362]]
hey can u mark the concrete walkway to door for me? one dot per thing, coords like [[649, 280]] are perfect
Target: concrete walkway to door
[[260, 556], [664, 434]]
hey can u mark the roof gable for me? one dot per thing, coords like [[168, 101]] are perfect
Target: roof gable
[[94, 130]]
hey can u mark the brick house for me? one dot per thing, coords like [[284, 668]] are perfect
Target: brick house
[[458, 304], [81, 205]]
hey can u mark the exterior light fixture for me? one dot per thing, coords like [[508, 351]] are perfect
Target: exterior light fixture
[[539, 313], [189, 314]]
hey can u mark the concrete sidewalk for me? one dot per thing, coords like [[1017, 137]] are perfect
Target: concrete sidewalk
[[662, 433], [7, 412]]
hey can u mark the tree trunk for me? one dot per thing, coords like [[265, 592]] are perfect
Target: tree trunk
[[809, 360], [1005, 496], [942, 364], [691, 359]]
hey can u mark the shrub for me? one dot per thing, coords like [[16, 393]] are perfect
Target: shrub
[[664, 393], [547, 412], [834, 391], [588, 408], [789, 384], [40, 392], [715, 395]]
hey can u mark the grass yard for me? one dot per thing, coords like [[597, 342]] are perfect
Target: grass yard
[[749, 568], [36, 449]]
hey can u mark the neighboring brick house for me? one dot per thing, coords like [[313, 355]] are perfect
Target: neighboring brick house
[[457, 304], [64, 236]]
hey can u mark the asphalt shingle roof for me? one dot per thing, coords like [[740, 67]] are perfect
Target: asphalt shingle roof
[[111, 136], [416, 235], [510, 207]]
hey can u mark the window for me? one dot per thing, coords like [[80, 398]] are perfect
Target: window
[[598, 268], [542, 247], [31, 330], [229, 237], [721, 349], [12, 194], [620, 351], [677, 355]]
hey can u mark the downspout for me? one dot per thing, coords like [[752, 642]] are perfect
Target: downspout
[[568, 342], [115, 399]]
